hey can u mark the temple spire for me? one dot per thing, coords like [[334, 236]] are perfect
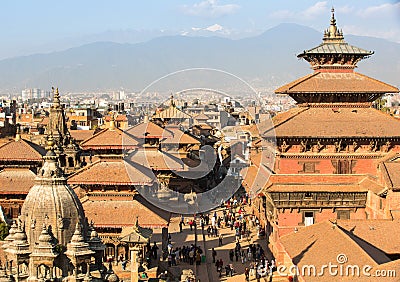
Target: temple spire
[[334, 54], [57, 125], [332, 34], [56, 98]]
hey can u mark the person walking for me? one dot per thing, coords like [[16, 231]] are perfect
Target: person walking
[[214, 254], [247, 274], [231, 255]]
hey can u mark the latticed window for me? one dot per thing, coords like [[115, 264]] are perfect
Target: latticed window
[[308, 167], [343, 214]]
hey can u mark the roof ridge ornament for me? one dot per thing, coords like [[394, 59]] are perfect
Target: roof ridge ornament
[[112, 121], [333, 34], [18, 133]]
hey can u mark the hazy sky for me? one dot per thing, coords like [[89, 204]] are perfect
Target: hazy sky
[[35, 26]]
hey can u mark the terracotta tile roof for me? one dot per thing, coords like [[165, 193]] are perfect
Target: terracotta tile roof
[[79, 118], [201, 116], [110, 139], [371, 185], [342, 122], [117, 118], [149, 130], [257, 174], [254, 179], [171, 112], [155, 159], [22, 150], [204, 126], [16, 180], [122, 213], [179, 137], [80, 135], [112, 172], [325, 82], [383, 234], [321, 183], [321, 243], [391, 173], [25, 118], [389, 266]]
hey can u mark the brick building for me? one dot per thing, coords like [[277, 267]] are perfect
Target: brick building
[[332, 149]]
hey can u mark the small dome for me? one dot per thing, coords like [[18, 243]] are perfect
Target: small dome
[[77, 237], [19, 236], [11, 232], [94, 234], [44, 237], [53, 203]]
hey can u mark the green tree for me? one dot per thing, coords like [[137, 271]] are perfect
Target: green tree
[[3, 230], [380, 104]]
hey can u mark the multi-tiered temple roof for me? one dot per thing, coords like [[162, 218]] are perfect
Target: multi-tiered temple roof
[[334, 79], [335, 101]]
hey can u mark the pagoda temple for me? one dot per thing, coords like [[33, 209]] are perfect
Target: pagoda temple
[[329, 148]]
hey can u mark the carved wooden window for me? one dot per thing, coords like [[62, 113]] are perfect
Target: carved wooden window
[[308, 195], [343, 214], [308, 167], [343, 166]]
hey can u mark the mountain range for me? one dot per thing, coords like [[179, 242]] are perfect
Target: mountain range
[[267, 61]]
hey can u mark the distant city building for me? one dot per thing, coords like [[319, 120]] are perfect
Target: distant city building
[[34, 93]]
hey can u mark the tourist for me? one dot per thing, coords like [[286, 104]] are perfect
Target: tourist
[[232, 270], [243, 256], [214, 254], [198, 258], [123, 264], [247, 274], [191, 256], [169, 259], [252, 270], [209, 231], [154, 250], [227, 270], [220, 240], [231, 254]]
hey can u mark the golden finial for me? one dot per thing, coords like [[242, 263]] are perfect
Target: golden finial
[[18, 133], [332, 34], [50, 142], [112, 121], [333, 21]]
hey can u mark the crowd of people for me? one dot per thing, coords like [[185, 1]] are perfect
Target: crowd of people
[[232, 216], [253, 256], [187, 254]]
